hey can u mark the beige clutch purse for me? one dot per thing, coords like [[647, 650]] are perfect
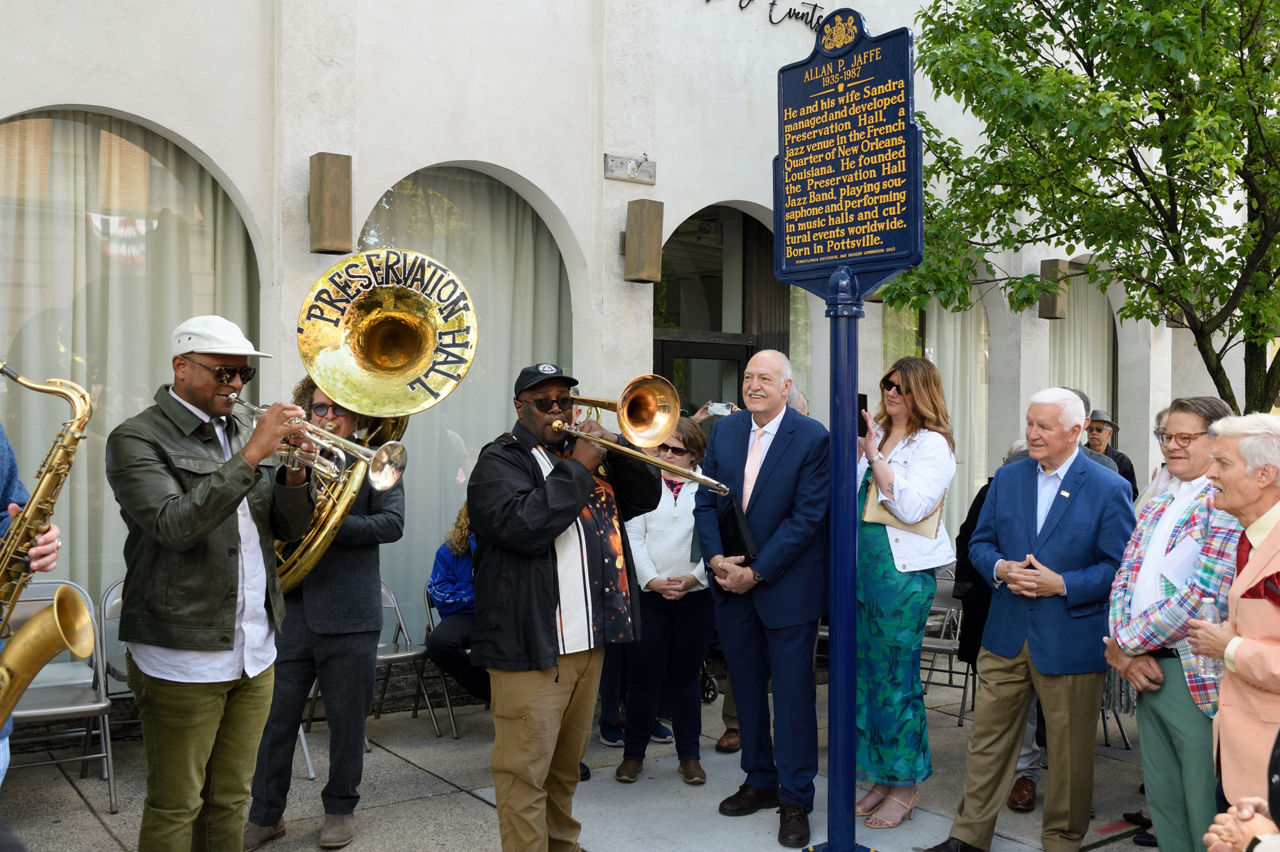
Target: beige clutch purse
[[874, 512]]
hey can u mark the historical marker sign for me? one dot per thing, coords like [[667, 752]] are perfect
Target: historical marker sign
[[847, 179]]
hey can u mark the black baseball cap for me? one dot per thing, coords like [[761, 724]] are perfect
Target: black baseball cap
[[536, 374]]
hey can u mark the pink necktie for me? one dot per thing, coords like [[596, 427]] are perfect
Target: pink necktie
[[752, 470]]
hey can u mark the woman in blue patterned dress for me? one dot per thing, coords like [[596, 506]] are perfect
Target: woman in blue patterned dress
[[909, 453]]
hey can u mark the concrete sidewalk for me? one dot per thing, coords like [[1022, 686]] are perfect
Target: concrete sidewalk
[[426, 793]]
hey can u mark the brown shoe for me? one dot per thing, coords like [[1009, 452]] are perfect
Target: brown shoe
[[730, 741], [748, 800], [338, 831], [628, 770], [691, 771], [255, 835], [1022, 797], [793, 826]]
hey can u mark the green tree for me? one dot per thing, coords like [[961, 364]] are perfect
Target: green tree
[[1144, 132]]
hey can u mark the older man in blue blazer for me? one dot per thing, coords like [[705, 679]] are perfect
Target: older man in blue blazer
[[1049, 539], [777, 462]]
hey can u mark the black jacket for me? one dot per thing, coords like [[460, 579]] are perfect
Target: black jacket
[[516, 515]]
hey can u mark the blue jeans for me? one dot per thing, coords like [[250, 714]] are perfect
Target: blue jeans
[[674, 640], [344, 664], [200, 740]]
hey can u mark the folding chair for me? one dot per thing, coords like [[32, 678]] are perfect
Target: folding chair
[[401, 650], [432, 622], [72, 689], [942, 639]]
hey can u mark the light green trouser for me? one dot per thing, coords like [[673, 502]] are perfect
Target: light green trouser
[[201, 742], [1177, 762]]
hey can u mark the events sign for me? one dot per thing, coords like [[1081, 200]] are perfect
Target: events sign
[[847, 178]]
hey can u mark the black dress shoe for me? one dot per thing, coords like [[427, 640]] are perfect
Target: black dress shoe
[[793, 826], [1145, 838], [1137, 818], [584, 772], [951, 844], [748, 800]]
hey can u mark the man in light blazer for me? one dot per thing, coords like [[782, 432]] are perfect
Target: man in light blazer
[[777, 462], [1049, 539], [1245, 468]]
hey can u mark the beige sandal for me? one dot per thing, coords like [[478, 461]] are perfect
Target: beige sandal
[[909, 811]]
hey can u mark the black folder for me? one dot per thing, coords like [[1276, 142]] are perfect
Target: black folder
[[735, 535]]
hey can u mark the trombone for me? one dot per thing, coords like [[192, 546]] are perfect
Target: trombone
[[386, 463], [648, 410]]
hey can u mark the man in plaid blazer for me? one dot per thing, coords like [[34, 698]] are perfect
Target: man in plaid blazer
[[1181, 552]]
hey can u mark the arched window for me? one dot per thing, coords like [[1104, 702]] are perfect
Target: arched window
[[110, 235], [500, 248]]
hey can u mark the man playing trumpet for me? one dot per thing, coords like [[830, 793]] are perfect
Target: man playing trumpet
[[203, 502], [330, 633]]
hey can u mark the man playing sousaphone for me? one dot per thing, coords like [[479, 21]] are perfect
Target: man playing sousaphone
[[203, 501], [330, 633]]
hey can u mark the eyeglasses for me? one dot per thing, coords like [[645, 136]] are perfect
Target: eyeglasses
[[224, 375], [564, 403], [1183, 439], [886, 386], [1099, 428], [321, 409], [675, 451]]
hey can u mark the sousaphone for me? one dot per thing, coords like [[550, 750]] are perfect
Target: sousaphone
[[385, 333]]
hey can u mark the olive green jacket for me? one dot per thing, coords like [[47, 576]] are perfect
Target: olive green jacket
[[178, 497]]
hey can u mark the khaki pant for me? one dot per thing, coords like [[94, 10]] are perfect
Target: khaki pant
[[1070, 702], [541, 726]]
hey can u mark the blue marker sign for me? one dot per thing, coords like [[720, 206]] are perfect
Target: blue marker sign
[[847, 179]]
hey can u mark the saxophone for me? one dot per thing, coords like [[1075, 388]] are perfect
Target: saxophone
[[66, 624]]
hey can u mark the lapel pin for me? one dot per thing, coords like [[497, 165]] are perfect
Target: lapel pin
[[1065, 493]]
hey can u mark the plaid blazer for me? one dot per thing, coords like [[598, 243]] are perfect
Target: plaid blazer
[[1164, 625]]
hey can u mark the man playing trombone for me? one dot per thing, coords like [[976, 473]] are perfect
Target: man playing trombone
[[553, 581], [330, 633], [203, 501]]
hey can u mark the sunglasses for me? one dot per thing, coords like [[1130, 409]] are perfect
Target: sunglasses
[[1099, 428], [675, 451], [224, 375], [1183, 439], [564, 403], [886, 386], [321, 409]]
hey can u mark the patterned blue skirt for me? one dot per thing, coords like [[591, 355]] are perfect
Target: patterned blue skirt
[[893, 607]]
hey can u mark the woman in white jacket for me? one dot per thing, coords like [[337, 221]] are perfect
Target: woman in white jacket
[[908, 453], [676, 616]]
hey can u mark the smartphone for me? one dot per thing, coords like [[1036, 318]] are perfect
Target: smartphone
[[719, 409], [862, 420]]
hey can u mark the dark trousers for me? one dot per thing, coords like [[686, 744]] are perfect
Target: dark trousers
[[754, 653], [344, 664], [674, 640], [449, 647], [613, 673]]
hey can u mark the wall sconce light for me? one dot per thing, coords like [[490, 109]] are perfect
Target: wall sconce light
[[641, 242], [1054, 307], [329, 204]]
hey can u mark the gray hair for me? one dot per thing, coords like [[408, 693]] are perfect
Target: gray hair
[[1259, 436], [1210, 409], [1070, 408], [797, 400], [786, 363]]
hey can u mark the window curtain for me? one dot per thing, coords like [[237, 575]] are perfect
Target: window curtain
[[956, 343], [504, 254], [110, 235], [1082, 346]]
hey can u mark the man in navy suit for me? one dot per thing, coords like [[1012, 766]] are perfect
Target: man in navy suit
[[777, 462], [1049, 539]]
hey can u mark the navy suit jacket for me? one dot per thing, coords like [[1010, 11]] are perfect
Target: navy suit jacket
[[787, 513], [1083, 538]]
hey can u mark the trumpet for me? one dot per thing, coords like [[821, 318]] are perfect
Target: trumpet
[[386, 463], [648, 411]]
